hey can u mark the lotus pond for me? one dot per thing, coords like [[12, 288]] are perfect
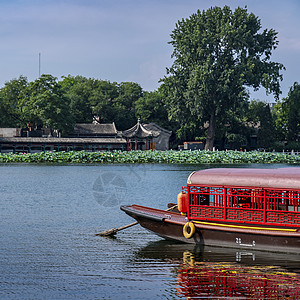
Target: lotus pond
[[150, 156]]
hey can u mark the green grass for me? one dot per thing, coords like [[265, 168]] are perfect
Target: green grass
[[173, 157]]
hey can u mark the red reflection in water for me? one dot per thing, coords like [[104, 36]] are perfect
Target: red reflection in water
[[227, 280]]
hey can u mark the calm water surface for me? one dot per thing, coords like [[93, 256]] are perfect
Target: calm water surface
[[48, 250]]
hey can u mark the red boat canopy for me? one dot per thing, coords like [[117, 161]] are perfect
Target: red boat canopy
[[282, 178]]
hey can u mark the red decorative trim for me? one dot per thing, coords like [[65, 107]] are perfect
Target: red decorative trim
[[244, 205]]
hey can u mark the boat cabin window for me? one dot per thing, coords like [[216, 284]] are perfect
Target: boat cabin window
[[199, 195], [283, 200], [239, 198], [210, 196]]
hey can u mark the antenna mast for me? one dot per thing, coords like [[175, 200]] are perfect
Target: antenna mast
[[39, 64]]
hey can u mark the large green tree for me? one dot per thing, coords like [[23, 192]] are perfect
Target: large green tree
[[217, 54]]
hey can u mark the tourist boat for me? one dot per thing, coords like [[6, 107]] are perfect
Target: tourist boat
[[232, 207]]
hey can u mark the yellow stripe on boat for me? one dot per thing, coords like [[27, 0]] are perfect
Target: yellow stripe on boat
[[245, 227]]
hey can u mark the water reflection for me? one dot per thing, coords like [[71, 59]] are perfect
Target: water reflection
[[225, 273], [48, 217]]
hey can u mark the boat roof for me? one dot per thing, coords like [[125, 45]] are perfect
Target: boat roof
[[282, 178]]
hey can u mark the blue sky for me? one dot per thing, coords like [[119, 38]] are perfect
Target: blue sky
[[122, 40]]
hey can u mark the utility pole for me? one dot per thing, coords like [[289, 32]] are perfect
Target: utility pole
[[39, 65]]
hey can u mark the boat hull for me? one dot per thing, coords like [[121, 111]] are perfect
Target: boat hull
[[169, 225]]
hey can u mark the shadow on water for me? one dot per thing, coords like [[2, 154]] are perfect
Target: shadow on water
[[219, 272]]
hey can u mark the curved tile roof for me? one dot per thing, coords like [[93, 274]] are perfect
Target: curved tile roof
[[139, 131]]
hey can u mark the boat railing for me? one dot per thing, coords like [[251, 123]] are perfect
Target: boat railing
[[244, 205]]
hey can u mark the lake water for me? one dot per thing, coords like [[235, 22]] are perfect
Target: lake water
[[48, 249]]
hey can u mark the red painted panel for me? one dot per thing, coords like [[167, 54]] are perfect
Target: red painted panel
[[244, 205]]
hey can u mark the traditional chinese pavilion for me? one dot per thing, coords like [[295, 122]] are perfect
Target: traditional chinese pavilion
[[139, 137]]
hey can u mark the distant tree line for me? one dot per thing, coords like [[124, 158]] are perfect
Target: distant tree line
[[59, 104]]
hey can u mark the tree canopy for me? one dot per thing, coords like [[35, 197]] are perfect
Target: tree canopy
[[12, 102], [259, 117], [217, 54], [150, 108], [47, 106], [48, 102]]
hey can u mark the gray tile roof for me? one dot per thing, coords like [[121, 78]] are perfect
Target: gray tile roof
[[40, 140], [94, 129]]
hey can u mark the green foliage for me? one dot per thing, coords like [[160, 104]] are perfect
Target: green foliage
[[47, 105], [114, 102], [12, 102], [78, 90], [47, 102], [217, 54], [176, 157], [236, 140], [109, 101], [280, 121], [124, 105], [292, 146], [151, 108], [290, 113], [287, 116], [185, 126], [260, 119], [101, 99], [232, 130]]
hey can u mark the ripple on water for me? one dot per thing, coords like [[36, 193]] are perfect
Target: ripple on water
[[48, 218]]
